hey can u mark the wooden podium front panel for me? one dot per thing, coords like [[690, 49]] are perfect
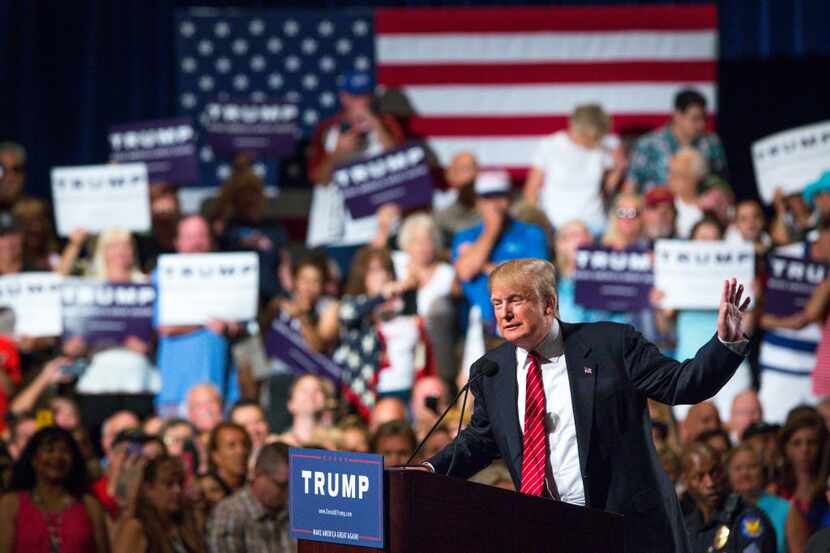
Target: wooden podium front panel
[[428, 513]]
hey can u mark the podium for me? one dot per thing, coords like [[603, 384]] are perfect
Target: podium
[[430, 513]]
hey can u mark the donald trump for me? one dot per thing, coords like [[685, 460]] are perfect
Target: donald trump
[[567, 409]]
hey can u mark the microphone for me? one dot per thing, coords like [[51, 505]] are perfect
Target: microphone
[[485, 367]]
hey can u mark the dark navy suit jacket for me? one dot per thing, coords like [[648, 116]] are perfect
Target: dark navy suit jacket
[[612, 370]]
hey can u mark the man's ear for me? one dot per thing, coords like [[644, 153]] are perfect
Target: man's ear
[[550, 307]]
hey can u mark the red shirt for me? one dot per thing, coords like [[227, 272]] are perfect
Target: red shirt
[[9, 364]]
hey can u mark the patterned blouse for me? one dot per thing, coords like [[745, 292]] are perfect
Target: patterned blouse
[[653, 151]]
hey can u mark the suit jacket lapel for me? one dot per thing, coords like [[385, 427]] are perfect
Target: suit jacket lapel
[[508, 397], [582, 377]]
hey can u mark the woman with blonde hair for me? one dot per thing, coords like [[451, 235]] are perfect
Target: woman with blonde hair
[[572, 169], [122, 368], [625, 223]]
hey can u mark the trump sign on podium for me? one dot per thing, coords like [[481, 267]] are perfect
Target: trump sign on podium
[[336, 497]]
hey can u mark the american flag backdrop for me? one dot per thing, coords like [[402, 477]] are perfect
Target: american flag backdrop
[[294, 55], [489, 80], [495, 80]]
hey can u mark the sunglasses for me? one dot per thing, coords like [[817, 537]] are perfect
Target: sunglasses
[[627, 213]]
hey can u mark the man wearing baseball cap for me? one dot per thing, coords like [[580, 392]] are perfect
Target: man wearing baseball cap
[[477, 250], [660, 214], [357, 131]]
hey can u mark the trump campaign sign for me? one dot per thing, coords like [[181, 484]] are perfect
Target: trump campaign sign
[[166, 146], [398, 176], [336, 497], [194, 288], [613, 280], [258, 126], [99, 197]]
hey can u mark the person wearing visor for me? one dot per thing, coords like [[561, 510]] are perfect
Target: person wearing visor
[[357, 131]]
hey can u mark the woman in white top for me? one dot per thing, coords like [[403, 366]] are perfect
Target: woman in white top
[[571, 169], [124, 369], [418, 259], [687, 169]]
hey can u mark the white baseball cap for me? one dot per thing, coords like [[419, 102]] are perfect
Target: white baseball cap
[[492, 183]]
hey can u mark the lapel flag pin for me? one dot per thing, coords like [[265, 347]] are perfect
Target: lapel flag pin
[[589, 370]]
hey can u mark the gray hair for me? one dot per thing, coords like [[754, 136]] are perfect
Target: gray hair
[[413, 222]]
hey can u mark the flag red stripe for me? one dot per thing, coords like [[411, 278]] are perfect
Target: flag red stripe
[[524, 73], [515, 125], [532, 19]]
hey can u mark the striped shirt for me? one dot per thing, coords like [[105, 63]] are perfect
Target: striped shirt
[[790, 351]]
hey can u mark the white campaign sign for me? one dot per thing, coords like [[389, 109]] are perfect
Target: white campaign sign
[[791, 159], [98, 197], [193, 288], [35, 299], [691, 274]]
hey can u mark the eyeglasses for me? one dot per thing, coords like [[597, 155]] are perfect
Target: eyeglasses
[[627, 213]]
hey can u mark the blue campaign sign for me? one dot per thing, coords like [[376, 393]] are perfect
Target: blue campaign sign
[[336, 497]]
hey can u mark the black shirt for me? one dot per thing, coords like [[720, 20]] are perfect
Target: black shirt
[[736, 527]]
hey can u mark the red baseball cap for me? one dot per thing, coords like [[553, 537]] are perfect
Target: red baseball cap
[[659, 195]]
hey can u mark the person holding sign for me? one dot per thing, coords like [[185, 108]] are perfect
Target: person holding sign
[[35, 347], [241, 206], [124, 368], [307, 310], [593, 380], [693, 326], [190, 355], [357, 131], [789, 345], [383, 346]]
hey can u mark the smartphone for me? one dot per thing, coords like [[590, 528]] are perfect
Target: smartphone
[[76, 368], [135, 449], [410, 302]]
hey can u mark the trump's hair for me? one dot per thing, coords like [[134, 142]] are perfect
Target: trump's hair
[[533, 276]]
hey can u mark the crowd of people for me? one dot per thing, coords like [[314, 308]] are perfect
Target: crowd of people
[[180, 444]]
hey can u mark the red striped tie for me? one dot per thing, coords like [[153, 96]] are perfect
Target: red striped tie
[[536, 437]]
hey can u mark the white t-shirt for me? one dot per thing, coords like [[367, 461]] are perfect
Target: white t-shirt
[[119, 371], [572, 187], [329, 222], [439, 286], [687, 216], [401, 337]]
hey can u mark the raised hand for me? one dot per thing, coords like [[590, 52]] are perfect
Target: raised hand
[[731, 311]]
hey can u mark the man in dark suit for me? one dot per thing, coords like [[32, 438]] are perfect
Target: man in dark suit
[[567, 410]]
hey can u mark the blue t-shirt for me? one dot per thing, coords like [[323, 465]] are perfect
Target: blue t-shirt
[[518, 241], [776, 509], [194, 358], [695, 327]]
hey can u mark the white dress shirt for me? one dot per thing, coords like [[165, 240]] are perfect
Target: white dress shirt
[[563, 475]]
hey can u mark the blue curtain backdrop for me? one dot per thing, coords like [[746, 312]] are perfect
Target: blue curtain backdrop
[[70, 69]]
